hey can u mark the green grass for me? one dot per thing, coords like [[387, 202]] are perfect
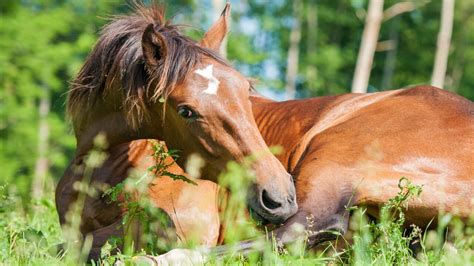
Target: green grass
[[30, 234]]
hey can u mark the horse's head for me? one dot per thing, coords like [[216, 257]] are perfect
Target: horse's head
[[204, 102], [209, 113]]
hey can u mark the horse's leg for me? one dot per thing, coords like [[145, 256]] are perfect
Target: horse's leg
[[176, 256], [323, 197], [100, 237], [194, 210], [166, 233]]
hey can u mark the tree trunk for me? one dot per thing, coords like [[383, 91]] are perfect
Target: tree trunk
[[312, 35], [217, 7], [444, 40], [367, 46], [42, 164], [391, 57], [293, 52], [460, 60]]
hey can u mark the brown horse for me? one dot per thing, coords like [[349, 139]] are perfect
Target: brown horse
[[349, 150], [144, 79], [352, 150]]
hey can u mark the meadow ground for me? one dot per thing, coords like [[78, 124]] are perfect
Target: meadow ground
[[30, 233]]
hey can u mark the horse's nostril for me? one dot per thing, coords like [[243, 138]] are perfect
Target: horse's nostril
[[268, 202], [291, 199]]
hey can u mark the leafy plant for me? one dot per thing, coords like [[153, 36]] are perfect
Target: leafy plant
[[139, 212], [385, 242], [160, 168]]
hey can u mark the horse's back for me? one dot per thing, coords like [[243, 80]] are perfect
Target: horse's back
[[422, 122]]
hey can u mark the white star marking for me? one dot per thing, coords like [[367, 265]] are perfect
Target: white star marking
[[213, 84]]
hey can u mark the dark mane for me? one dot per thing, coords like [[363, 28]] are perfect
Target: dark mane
[[116, 63]]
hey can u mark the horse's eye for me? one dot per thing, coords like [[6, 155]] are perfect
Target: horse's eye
[[186, 112]]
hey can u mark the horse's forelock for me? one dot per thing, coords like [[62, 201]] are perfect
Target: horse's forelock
[[117, 59]]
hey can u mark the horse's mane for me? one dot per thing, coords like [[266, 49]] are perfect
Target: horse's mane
[[117, 63]]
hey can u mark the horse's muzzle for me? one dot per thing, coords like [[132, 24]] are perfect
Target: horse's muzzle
[[272, 206]]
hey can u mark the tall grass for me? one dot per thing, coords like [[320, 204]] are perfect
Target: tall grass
[[31, 234]]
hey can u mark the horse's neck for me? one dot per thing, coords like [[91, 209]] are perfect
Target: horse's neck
[[121, 158], [111, 125]]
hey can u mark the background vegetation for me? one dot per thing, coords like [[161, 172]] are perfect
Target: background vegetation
[[44, 42]]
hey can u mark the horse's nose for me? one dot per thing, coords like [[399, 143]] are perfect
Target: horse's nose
[[271, 203], [268, 202], [277, 206]]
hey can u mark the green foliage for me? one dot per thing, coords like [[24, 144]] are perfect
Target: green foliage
[[140, 212], [42, 47], [385, 242], [160, 155], [32, 237], [28, 236]]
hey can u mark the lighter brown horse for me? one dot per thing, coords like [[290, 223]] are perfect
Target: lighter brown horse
[[144, 79], [349, 150], [352, 149]]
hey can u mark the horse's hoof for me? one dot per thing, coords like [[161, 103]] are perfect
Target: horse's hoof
[[179, 257]]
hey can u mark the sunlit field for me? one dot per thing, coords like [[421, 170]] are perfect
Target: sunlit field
[[31, 234]]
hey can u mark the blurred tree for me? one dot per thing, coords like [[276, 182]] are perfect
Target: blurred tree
[[44, 42], [391, 54], [444, 41], [311, 8], [42, 162], [43, 45], [368, 44], [293, 51]]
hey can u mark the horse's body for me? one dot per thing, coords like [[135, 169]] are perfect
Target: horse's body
[[352, 150]]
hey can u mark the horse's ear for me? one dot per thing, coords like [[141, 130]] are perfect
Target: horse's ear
[[153, 45], [216, 34]]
